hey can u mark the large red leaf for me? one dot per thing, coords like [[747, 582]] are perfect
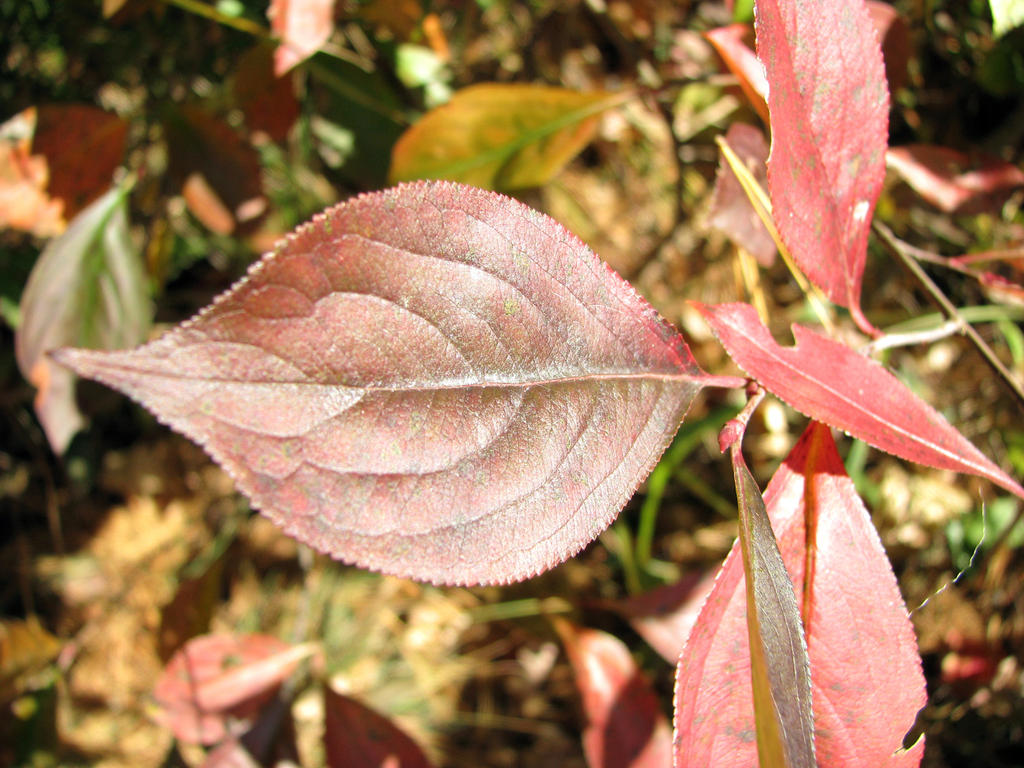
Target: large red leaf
[[829, 107], [832, 383], [625, 725], [357, 737], [866, 678], [433, 381]]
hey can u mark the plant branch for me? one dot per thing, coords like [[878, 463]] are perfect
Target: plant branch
[[906, 255]]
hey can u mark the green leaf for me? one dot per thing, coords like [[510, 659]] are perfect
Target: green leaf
[[87, 289], [500, 136]]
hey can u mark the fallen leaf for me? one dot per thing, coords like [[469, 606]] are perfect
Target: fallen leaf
[[625, 724], [950, 180], [219, 173], [433, 381], [829, 108], [664, 616], [866, 678], [302, 26], [832, 383], [267, 100], [83, 145], [88, 287], [500, 136], [214, 676], [357, 737]]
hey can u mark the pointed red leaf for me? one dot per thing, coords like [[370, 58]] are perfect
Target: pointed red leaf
[[433, 381], [215, 675], [866, 678], [829, 108], [357, 737], [832, 383], [625, 725]]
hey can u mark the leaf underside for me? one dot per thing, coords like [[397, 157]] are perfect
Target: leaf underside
[[431, 381]]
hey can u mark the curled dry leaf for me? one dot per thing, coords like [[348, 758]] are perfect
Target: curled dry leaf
[[433, 381], [832, 383], [829, 108]]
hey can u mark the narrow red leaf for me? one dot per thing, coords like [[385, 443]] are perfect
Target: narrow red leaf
[[357, 737], [731, 44], [829, 108], [834, 384], [213, 675], [866, 678], [433, 381], [268, 101], [302, 26], [625, 725], [947, 179]]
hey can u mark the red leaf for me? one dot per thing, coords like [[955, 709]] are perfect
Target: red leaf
[[945, 178], [664, 616], [731, 210], [357, 737], [303, 26], [829, 119], [433, 381], [215, 675], [625, 725], [830, 382], [219, 173], [894, 33], [731, 44], [268, 101], [866, 677], [83, 145]]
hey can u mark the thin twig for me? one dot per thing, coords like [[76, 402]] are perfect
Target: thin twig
[[906, 255]]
